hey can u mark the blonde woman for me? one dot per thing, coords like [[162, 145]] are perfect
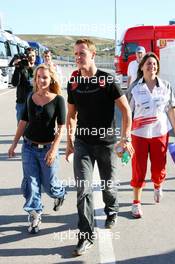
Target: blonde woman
[[44, 109]]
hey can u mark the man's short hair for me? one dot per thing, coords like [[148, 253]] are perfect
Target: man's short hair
[[47, 51], [90, 44]]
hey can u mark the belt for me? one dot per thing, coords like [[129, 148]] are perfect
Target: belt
[[39, 146]]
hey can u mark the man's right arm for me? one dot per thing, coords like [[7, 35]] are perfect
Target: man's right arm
[[124, 107], [16, 76], [71, 126]]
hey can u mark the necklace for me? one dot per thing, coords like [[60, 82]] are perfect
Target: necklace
[[42, 94]]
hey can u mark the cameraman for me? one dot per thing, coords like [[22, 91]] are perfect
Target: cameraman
[[22, 78]]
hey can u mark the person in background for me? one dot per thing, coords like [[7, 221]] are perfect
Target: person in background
[[48, 61], [44, 109], [133, 65], [92, 96], [23, 79], [152, 101]]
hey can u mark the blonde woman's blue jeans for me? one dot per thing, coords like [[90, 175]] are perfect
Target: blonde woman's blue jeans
[[37, 173]]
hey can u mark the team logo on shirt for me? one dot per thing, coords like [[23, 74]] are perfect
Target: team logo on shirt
[[75, 73]]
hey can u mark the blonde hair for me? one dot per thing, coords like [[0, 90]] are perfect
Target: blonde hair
[[55, 86]]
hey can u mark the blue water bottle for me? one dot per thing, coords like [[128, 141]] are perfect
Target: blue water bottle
[[171, 147]]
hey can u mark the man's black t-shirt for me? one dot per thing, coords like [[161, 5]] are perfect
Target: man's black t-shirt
[[94, 99]]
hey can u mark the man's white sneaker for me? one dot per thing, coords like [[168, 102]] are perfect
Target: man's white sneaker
[[34, 222], [158, 195], [136, 210]]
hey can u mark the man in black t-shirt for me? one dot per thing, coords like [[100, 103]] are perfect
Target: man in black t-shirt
[[92, 96]]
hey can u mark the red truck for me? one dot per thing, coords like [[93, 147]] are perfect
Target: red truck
[[153, 38]]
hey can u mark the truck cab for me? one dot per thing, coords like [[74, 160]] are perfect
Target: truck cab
[[3, 63], [12, 49], [152, 38]]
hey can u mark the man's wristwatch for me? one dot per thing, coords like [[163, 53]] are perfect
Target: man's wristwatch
[[126, 139]]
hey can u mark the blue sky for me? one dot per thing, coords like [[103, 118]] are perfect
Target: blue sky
[[91, 17]]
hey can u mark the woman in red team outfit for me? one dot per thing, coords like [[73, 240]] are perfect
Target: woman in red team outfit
[[151, 99]]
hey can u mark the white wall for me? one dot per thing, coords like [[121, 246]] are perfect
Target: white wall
[[167, 64]]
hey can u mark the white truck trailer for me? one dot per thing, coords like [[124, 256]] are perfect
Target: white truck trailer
[[167, 64]]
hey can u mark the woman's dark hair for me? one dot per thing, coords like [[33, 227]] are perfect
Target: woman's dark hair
[[144, 59]]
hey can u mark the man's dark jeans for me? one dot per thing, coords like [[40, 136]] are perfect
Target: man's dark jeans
[[85, 156]]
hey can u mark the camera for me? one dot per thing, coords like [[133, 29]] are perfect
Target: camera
[[23, 60]]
